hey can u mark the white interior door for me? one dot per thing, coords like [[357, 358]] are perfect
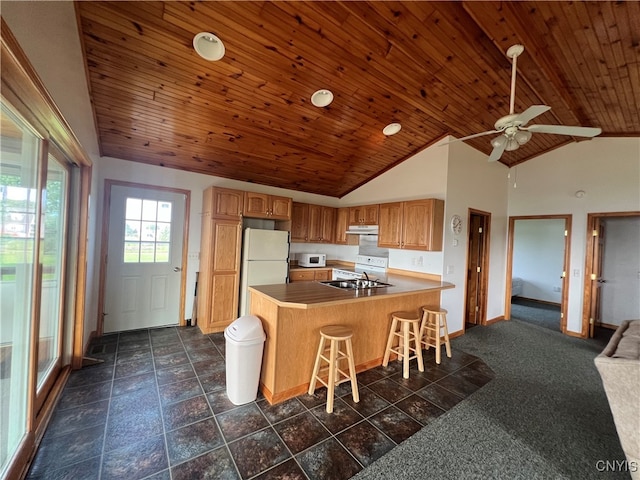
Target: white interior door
[[144, 258]]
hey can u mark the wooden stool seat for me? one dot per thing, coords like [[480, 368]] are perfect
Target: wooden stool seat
[[434, 325], [405, 326], [332, 354]]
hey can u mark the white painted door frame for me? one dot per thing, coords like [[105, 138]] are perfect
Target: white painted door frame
[[106, 212]]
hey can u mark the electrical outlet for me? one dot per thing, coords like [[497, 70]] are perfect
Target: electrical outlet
[[557, 289], [576, 272], [194, 256], [420, 260], [449, 269]]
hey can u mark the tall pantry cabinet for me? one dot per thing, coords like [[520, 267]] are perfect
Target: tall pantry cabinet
[[220, 249]]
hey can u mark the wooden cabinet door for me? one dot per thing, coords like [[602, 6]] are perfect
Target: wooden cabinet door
[[280, 208], [423, 224], [301, 275], [416, 228], [390, 225], [341, 225], [299, 222], [223, 202], [315, 223], [370, 214], [226, 236], [355, 215], [256, 205], [328, 224], [322, 275]]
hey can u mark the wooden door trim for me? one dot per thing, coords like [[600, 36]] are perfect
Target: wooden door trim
[[484, 267], [565, 267], [592, 218], [104, 244]]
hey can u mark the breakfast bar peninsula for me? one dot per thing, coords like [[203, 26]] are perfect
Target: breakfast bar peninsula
[[293, 313]]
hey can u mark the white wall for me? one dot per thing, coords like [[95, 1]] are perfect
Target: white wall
[[474, 183], [621, 270], [422, 176], [607, 169], [538, 258]]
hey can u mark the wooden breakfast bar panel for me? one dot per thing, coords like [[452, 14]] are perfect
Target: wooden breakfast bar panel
[[292, 315]]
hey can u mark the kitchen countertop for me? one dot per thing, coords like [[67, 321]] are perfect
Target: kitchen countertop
[[315, 294]]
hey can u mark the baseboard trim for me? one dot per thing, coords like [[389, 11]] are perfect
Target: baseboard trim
[[497, 319], [459, 333], [610, 326], [545, 302]]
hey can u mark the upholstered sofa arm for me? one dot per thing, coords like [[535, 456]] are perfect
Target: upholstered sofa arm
[[619, 368]]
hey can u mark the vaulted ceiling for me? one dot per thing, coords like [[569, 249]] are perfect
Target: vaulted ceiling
[[438, 68]]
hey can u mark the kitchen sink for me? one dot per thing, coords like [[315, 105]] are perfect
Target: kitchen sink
[[356, 284]]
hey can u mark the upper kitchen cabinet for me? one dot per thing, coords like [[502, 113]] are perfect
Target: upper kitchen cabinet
[[299, 222], [321, 224], [412, 225], [261, 205], [363, 215], [312, 223], [222, 203], [341, 225]]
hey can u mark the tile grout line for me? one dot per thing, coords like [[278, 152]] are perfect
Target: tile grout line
[[106, 423]]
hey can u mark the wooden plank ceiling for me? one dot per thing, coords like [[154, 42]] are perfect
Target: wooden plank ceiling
[[438, 68]]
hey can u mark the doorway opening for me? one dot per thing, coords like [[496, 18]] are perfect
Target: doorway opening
[[477, 268], [612, 272], [537, 270]]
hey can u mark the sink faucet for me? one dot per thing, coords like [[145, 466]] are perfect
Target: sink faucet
[[367, 276]]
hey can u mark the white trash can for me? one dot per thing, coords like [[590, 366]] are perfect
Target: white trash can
[[244, 342]]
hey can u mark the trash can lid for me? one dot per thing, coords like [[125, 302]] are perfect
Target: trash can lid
[[245, 329]]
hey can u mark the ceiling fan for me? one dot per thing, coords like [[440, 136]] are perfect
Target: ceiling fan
[[512, 127]]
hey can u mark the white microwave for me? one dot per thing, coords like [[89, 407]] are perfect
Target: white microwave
[[312, 260]]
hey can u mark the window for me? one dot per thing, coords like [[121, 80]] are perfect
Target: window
[[147, 232]]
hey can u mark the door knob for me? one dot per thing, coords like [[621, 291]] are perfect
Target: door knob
[[177, 269]]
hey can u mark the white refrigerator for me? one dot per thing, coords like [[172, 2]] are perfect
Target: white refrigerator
[[265, 260]]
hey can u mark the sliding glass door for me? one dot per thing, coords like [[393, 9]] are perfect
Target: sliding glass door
[[52, 258], [19, 166], [34, 186]]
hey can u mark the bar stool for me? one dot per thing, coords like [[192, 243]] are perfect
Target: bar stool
[[434, 319], [335, 334], [408, 330]]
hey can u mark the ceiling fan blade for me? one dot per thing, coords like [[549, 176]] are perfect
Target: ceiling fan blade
[[530, 113], [497, 151], [563, 130], [468, 137]]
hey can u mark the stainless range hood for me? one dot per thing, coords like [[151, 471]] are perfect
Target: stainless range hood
[[362, 230]]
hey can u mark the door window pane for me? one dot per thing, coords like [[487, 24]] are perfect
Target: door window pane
[[52, 243], [147, 231], [19, 152]]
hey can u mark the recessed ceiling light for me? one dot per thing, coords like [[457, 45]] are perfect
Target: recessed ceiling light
[[391, 129], [208, 46], [322, 98]]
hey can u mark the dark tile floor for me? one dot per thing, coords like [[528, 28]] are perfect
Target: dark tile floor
[[157, 408]]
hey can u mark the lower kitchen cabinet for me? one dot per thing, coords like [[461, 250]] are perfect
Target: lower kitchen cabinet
[[309, 275]]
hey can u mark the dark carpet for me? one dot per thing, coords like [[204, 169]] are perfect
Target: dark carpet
[[541, 314], [545, 415]]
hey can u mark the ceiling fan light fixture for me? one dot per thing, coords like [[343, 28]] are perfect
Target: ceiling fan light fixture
[[322, 98], [208, 46], [522, 137], [391, 129], [498, 141], [512, 145]]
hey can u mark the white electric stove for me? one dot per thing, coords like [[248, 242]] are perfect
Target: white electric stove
[[374, 266]]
